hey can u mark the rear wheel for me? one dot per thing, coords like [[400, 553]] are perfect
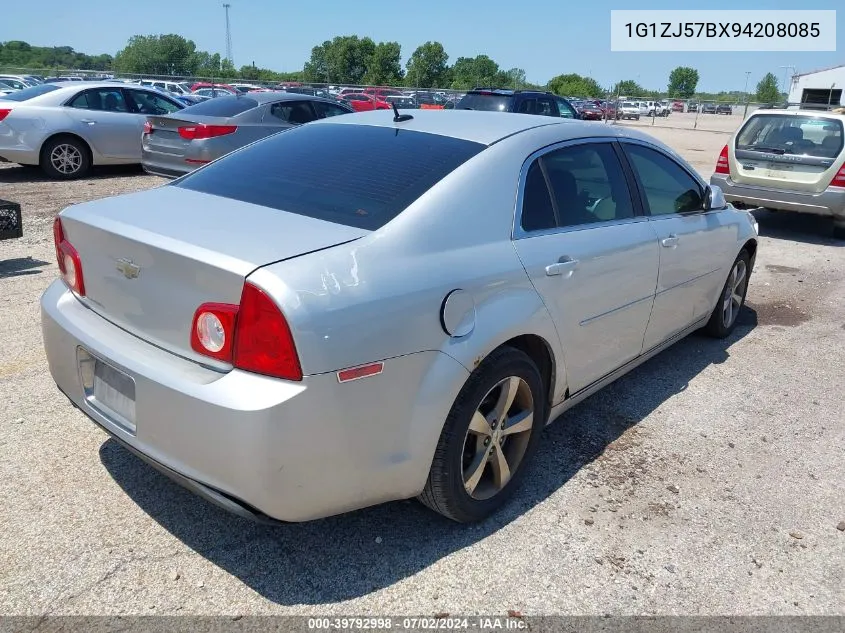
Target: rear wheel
[[65, 157], [489, 436], [723, 319]]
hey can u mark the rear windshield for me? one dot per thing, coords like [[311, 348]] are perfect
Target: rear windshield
[[29, 93], [792, 134], [489, 102], [222, 106], [357, 175]]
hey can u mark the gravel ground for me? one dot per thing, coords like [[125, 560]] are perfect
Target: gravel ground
[[707, 481]]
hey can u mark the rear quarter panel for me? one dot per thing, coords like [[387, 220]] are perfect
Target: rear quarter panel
[[381, 296]]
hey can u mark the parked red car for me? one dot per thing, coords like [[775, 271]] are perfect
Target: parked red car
[[591, 112], [381, 93], [364, 103], [677, 106], [203, 84]]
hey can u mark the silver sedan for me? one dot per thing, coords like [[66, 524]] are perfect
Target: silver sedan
[[176, 144], [375, 307], [67, 128]]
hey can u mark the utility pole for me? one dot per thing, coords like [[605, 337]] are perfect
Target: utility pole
[[785, 89], [747, 96], [228, 35]]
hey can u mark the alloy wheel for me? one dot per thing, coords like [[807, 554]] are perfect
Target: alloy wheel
[[734, 293], [497, 438], [66, 158]]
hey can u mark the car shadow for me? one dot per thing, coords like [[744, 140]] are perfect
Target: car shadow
[[799, 227], [354, 554], [22, 174], [20, 266]]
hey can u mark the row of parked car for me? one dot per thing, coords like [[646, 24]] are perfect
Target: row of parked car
[[82, 124]]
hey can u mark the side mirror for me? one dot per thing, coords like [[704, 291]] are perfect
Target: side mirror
[[714, 198]]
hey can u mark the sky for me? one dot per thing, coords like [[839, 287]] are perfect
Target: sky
[[543, 37]]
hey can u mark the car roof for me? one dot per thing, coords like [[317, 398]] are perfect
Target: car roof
[[278, 95], [483, 127], [801, 112]]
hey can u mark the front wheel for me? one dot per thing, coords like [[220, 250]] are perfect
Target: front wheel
[[723, 319], [490, 435]]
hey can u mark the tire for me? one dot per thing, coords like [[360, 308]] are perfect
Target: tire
[[839, 231], [721, 324], [65, 158], [460, 448]]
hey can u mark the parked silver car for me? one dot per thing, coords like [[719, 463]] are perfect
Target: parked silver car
[[69, 127], [176, 144], [369, 308]]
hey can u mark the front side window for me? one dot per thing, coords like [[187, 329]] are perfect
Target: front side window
[[566, 110], [102, 99], [325, 110], [151, 103], [666, 186]]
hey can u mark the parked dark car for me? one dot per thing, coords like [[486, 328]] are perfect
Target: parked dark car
[[708, 108], [692, 106], [724, 108], [591, 112], [522, 101]]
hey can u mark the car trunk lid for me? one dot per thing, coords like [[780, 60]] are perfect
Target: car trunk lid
[[798, 152], [150, 259]]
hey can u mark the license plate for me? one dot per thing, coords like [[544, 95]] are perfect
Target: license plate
[[113, 392], [779, 170]]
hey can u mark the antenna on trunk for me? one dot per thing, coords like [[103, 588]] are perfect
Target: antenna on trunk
[[399, 118]]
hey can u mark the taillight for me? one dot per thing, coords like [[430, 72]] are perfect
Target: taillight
[[839, 178], [201, 131], [4, 112], [263, 341], [148, 127], [67, 257], [253, 336], [722, 165]]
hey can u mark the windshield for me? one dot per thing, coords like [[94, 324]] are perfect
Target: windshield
[[29, 93], [357, 175], [792, 134], [489, 102]]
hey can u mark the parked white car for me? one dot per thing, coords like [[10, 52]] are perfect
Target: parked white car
[[629, 110]]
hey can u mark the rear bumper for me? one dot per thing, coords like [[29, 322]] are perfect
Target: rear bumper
[[258, 446], [830, 202], [19, 155]]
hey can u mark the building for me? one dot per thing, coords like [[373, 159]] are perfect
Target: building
[[820, 87]]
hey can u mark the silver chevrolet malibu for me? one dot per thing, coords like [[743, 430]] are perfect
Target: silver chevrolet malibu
[[376, 306]]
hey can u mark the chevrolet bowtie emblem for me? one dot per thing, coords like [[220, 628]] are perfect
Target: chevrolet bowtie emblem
[[129, 269]]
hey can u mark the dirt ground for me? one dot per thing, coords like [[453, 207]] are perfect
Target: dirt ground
[[707, 481]]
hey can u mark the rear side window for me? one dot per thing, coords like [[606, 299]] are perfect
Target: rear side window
[[792, 134], [356, 175], [294, 112], [325, 110], [222, 106], [489, 102], [29, 93]]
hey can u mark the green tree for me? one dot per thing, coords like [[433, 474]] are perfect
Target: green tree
[[629, 88], [682, 82], [767, 89], [516, 79], [575, 85], [157, 54], [341, 60], [18, 54], [471, 72], [428, 66], [384, 67]]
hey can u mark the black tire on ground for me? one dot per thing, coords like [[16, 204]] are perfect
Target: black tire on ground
[[839, 231], [76, 162], [717, 326], [444, 491]]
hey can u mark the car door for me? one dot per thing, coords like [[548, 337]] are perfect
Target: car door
[[590, 254], [695, 245], [102, 117]]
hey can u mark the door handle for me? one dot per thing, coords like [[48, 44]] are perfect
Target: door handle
[[563, 265], [88, 121], [670, 242]]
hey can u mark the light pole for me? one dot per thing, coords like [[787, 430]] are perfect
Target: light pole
[[747, 96], [785, 89]]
